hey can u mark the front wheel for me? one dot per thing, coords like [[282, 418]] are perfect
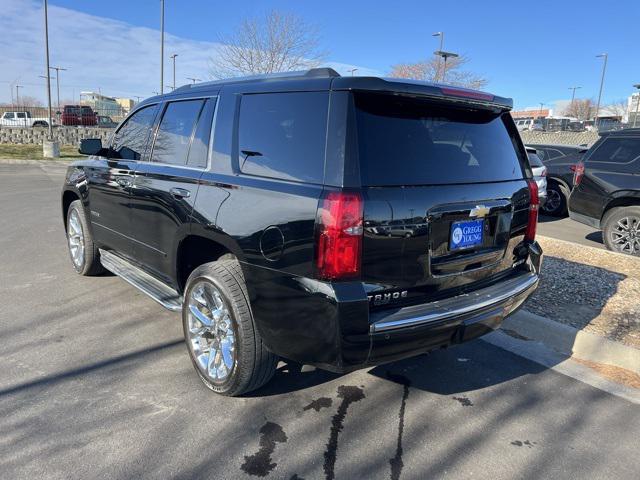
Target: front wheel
[[83, 252], [621, 230], [223, 342]]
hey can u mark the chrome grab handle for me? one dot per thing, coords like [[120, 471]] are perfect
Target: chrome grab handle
[[180, 192]]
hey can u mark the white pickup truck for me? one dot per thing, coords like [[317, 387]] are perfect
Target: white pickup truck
[[23, 119]]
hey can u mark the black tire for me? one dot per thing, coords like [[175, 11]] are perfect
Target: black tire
[[611, 230], [90, 258], [557, 199], [254, 365], [40, 124]]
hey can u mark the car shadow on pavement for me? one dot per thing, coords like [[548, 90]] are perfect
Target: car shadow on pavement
[[595, 237], [549, 219]]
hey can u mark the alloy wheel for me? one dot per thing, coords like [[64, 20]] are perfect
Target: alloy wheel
[[211, 332], [75, 237], [625, 235], [553, 201]]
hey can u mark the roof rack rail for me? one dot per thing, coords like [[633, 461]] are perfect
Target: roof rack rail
[[319, 72]]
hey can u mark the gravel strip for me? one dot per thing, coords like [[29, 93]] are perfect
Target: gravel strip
[[590, 289]]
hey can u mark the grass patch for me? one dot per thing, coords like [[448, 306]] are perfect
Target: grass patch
[[34, 151]]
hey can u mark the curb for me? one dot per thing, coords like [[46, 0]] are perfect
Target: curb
[[600, 250], [570, 341]]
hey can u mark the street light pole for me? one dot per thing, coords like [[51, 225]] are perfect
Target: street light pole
[[57, 69], [573, 93], [173, 57], [441, 35], [194, 80], [49, 148], [161, 46], [635, 118], [18, 94], [445, 55], [604, 69], [352, 70], [541, 105]]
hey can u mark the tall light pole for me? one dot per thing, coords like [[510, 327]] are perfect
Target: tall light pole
[[194, 80], [58, 69], [541, 105], [18, 94], [441, 35], [573, 93], [604, 69], [49, 148], [635, 118], [445, 55], [173, 57], [352, 70], [161, 46]]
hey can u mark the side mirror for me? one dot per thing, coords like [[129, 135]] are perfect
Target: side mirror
[[90, 146]]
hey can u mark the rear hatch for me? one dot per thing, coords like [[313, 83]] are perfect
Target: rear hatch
[[445, 196]]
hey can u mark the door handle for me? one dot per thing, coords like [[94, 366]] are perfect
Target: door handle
[[180, 193], [124, 181]]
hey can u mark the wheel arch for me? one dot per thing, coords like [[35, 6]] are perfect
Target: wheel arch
[[560, 182], [624, 198], [68, 196], [195, 249]]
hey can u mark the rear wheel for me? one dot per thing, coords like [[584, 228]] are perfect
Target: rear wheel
[[556, 204], [223, 342], [84, 254], [621, 230]]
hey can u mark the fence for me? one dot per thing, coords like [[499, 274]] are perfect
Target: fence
[[26, 116], [64, 135]]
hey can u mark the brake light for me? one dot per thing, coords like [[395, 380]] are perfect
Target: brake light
[[532, 223], [455, 92], [339, 238], [578, 173]]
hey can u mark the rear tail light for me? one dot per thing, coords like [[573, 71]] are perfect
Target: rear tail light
[[455, 92], [532, 224], [578, 173], [339, 236]]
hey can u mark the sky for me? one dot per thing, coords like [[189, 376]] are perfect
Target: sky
[[531, 51]]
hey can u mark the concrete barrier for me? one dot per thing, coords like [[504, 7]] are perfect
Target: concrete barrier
[[560, 138], [64, 135]]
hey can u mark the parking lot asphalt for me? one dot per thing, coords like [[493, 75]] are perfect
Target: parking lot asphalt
[[570, 230], [95, 382]]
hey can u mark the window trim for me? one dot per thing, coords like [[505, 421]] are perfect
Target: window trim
[[604, 140], [157, 123], [121, 126], [235, 149]]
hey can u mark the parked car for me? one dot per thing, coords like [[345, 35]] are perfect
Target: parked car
[[539, 172], [606, 194], [560, 161], [259, 239], [23, 119], [79, 115], [106, 122], [529, 124]]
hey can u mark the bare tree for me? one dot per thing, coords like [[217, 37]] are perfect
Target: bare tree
[[432, 69], [617, 108], [30, 101], [274, 42], [580, 108]]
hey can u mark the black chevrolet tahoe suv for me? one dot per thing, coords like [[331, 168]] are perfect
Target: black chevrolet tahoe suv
[[335, 221], [606, 193]]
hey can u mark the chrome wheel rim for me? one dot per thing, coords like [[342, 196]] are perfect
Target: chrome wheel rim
[[625, 235], [553, 201], [75, 237], [210, 331]]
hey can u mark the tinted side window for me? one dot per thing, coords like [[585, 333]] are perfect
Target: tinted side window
[[199, 151], [174, 133], [9, 115], [130, 140], [617, 150], [283, 135]]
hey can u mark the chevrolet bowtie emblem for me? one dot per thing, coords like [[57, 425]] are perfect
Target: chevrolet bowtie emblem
[[479, 211]]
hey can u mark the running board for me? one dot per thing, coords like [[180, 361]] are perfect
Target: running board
[[157, 290]]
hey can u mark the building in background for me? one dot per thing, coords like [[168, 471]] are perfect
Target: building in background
[[633, 109], [126, 104], [102, 105], [532, 113]]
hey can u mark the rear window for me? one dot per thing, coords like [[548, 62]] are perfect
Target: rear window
[[617, 150], [534, 160], [414, 142]]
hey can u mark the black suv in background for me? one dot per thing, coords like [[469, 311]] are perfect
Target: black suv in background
[[334, 221], [607, 190], [560, 161]]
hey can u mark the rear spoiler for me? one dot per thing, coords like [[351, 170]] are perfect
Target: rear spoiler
[[403, 86]]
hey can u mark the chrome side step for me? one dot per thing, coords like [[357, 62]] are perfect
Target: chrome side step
[[157, 290]]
